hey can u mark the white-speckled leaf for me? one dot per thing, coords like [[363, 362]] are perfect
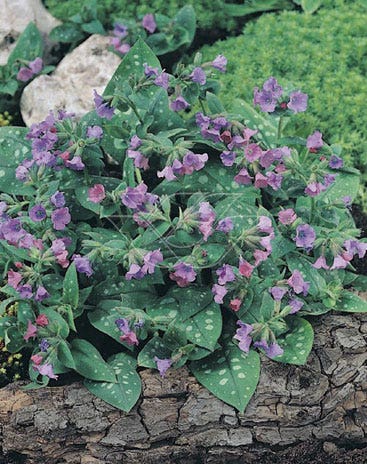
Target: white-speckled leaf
[[125, 393], [351, 303], [230, 374], [297, 343]]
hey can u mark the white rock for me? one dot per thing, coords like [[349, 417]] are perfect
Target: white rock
[[89, 66], [14, 18]]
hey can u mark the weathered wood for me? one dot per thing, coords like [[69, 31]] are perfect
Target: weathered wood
[[297, 411]]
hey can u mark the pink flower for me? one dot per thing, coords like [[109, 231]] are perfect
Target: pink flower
[[287, 216], [96, 193], [130, 338], [47, 370], [31, 331], [320, 263], [36, 359], [42, 320], [235, 304], [14, 278], [245, 268]]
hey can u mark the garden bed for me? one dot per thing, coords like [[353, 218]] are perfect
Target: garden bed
[[317, 411]]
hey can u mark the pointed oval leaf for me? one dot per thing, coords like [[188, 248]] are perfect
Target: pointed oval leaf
[[230, 374], [125, 393], [89, 363], [297, 344], [351, 303]]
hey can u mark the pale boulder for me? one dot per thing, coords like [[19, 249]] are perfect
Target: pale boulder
[[89, 66], [14, 18]]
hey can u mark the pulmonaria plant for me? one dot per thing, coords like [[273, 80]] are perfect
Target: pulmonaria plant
[[185, 237]]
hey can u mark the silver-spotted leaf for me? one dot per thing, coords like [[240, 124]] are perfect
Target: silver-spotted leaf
[[230, 374], [297, 343]]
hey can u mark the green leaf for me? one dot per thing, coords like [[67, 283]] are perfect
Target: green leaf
[[125, 393], [346, 184], [70, 293], [297, 344], [229, 374], [89, 363], [214, 104], [24, 312], [131, 65], [155, 347], [65, 355], [310, 6], [94, 27], [351, 303], [57, 324], [14, 340], [254, 120], [186, 18], [29, 45], [66, 33]]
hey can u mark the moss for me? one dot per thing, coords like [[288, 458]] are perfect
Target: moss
[[210, 13], [325, 55]]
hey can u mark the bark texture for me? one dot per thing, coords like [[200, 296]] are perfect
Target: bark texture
[[314, 413]]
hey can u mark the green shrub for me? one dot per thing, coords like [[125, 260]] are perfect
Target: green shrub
[[211, 14], [325, 54]]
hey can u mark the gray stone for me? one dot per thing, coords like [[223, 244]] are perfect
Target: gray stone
[[14, 18], [89, 66]]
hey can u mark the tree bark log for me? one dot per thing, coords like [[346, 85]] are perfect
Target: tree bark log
[[310, 412]]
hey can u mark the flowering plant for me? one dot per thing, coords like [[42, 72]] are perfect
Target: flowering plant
[[147, 234]]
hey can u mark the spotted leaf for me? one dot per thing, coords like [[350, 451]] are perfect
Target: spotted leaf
[[297, 344], [230, 374]]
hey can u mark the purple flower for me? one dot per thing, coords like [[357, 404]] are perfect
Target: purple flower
[[135, 142], [272, 85], [296, 305], [242, 335], [103, 109], [162, 80], [140, 161], [225, 274], [320, 263], [149, 23], [297, 102], [163, 365], [183, 274], [275, 154], [120, 30], [36, 65], [265, 225], [76, 164], [253, 152], [287, 216], [243, 177], [60, 218], [228, 158], [149, 71], [329, 179], [82, 265], [219, 293], [305, 236], [167, 173], [44, 345], [261, 181], [135, 272], [41, 294], [151, 259], [314, 141], [58, 199], [179, 104], [207, 217], [220, 63], [314, 189], [37, 213], [12, 231], [136, 197], [193, 162], [225, 225], [47, 370], [94, 132], [354, 247], [24, 74], [123, 325], [274, 180], [97, 193], [278, 292], [298, 284], [340, 262], [266, 100], [335, 162], [129, 336], [271, 350], [198, 75]]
